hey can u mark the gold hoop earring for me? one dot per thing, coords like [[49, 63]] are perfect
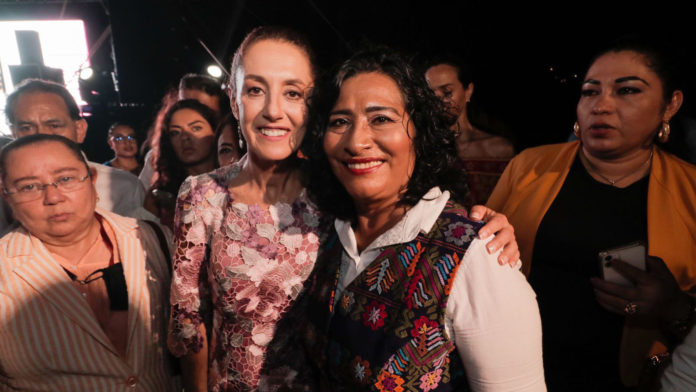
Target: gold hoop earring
[[663, 134], [576, 129]]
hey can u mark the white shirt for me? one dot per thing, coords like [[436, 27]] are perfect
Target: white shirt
[[120, 192], [491, 315], [680, 375]]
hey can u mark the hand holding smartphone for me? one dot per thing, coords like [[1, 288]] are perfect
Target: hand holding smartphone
[[633, 254]]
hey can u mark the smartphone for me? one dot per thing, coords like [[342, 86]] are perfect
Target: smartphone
[[633, 254]]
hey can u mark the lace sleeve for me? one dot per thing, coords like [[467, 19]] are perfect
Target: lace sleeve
[[190, 292]]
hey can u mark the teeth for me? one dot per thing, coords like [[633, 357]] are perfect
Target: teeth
[[363, 165], [273, 132]]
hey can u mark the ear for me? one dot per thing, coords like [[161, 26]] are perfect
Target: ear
[[81, 130], [111, 143], [673, 105], [234, 107], [469, 91]]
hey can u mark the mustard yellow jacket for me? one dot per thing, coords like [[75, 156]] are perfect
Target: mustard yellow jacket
[[530, 184]]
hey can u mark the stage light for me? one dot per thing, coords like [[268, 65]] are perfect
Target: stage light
[[86, 73], [214, 71]]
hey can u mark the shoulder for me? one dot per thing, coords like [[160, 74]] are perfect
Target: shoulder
[[217, 181], [105, 172], [497, 146], [544, 155], [454, 226]]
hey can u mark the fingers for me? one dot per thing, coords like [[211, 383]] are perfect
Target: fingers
[[612, 303], [479, 212], [504, 234], [632, 273], [495, 223], [505, 239], [655, 265], [626, 293]]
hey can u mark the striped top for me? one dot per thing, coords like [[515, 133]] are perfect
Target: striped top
[[49, 337]]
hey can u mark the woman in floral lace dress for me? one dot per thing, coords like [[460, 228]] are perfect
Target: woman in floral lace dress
[[247, 235]]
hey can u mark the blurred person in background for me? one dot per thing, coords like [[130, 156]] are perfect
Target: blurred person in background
[[206, 90], [187, 148], [482, 155], [122, 141], [230, 146]]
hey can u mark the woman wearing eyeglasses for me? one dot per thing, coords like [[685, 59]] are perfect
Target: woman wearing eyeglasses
[[82, 290], [122, 141]]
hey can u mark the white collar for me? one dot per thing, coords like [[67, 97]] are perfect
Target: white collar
[[419, 219]]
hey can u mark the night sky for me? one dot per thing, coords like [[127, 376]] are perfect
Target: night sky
[[512, 47]]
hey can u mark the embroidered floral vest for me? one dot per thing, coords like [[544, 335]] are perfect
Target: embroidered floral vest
[[387, 331]]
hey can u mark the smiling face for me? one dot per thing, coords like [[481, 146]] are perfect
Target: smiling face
[[444, 81], [46, 113], [120, 143], [368, 141], [191, 136], [622, 105], [57, 216], [273, 81]]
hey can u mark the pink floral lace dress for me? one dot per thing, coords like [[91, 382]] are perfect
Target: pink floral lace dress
[[249, 263]]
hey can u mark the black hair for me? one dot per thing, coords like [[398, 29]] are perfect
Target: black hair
[[208, 85], [465, 73], [40, 86], [232, 122], [117, 124], [172, 172], [39, 138], [659, 57], [276, 33], [433, 142]]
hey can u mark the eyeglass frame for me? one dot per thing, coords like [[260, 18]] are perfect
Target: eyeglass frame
[[122, 139], [41, 189]]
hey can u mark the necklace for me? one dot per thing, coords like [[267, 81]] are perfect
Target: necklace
[[609, 180]]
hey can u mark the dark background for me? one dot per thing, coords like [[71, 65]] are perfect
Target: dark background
[[528, 57]]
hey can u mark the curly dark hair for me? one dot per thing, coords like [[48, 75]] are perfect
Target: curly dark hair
[[172, 172], [434, 143]]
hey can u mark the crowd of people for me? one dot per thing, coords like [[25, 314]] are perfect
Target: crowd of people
[[311, 230]]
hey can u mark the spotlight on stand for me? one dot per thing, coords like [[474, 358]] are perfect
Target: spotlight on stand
[[214, 71]]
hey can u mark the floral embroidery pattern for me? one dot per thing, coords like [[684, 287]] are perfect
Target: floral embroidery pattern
[[247, 261], [389, 382], [459, 233], [429, 381], [374, 315], [361, 369]]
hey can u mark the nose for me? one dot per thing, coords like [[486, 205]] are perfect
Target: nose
[[358, 138], [273, 109], [603, 104], [52, 195]]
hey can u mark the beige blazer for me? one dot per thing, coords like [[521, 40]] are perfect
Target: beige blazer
[[49, 337]]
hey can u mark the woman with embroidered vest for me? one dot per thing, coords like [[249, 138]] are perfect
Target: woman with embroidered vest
[[247, 234], [82, 291], [613, 187], [405, 296]]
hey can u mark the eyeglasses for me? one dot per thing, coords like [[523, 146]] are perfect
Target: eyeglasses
[[121, 139], [35, 190]]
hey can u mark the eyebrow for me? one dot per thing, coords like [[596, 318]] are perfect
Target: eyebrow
[[194, 122], [261, 79], [57, 171], [619, 80], [370, 109]]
